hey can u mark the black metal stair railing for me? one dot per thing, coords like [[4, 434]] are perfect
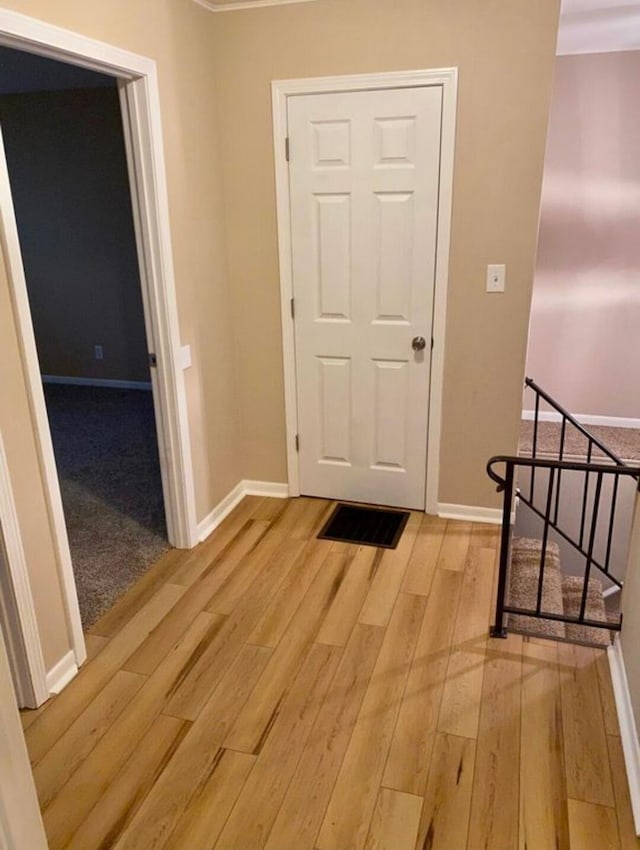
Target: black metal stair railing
[[611, 470], [506, 484]]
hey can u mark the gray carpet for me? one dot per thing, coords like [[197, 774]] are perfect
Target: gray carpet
[[106, 452], [625, 442]]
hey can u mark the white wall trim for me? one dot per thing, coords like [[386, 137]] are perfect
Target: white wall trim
[[145, 152], [109, 383], [62, 673], [220, 512], [270, 489], [24, 647], [212, 6], [35, 394], [141, 117], [470, 513], [234, 497], [281, 90], [628, 730], [583, 418]]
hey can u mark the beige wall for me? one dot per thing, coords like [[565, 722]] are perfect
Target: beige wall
[[583, 345], [505, 53], [178, 35], [70, 186]]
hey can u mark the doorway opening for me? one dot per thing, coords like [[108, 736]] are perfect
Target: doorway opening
[[137, 86], [66, 158]]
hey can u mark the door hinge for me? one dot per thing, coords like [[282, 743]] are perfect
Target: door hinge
[[297, 442], [293, 309], [153, 360], [432, 343], [287, 149]]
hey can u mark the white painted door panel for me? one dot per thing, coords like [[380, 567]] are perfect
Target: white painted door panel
[[364, 181]]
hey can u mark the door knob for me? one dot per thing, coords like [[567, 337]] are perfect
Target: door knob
[[418, 343]]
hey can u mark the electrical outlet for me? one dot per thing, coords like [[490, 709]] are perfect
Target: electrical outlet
[[98, 352], [496, 275]]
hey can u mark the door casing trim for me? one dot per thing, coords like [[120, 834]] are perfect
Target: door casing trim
[[23, 644], [281, 90]]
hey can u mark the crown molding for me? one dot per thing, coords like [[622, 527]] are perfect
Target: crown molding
[[212, 6]]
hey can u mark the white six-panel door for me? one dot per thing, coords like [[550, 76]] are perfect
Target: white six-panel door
[[364, 183]]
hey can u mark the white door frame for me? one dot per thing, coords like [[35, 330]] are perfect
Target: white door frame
[[140, 97], [22, 641], [281, 90]]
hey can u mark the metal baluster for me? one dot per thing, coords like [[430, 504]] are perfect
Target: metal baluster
[[562, 438], [612, 520], [585, 497], [592, 540], [534, 447], [545, 539], [498, 630]]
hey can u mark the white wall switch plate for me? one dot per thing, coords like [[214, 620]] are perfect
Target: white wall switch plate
[[496, 277], [185, 356]]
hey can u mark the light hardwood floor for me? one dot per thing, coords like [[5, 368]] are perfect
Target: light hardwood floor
[[271, 690]]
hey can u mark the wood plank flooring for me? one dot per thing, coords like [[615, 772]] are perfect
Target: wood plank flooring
[[271, 690]]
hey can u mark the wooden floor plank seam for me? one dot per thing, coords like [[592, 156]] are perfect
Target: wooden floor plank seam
[[406, 682], [127, 812], [357, 686]]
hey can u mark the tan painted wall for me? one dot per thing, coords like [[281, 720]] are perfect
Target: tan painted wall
[[505, 52], [583, 343], [178, 35]]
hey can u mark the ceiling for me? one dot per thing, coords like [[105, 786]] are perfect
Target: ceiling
[[25, 72]]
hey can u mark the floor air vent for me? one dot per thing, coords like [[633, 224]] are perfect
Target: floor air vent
[[366, 526]]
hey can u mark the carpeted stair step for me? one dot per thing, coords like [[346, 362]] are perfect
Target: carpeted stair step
[[523, 588], [572, 587]]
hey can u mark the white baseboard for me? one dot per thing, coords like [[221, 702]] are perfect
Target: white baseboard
[[62, 673], [628, 730], [234, 497], [221, 510], [110, 383], [583, 418], [470, 513], [266, 488]]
